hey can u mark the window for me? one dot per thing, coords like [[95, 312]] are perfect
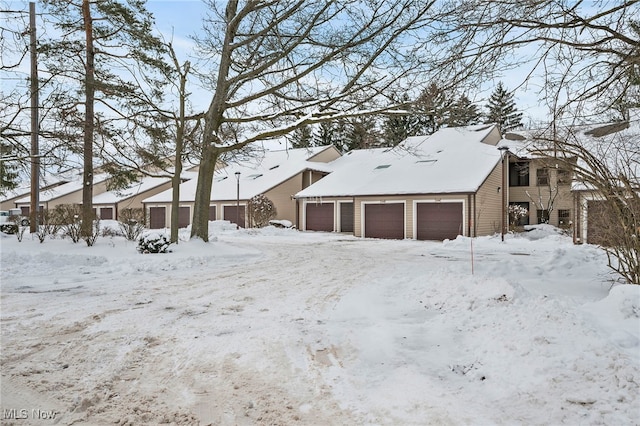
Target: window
[[564, 218], [542, 177], [543, 216], [519, 173], [564, 177]]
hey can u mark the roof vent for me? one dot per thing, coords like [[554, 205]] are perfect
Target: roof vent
[[383, 166], [254, 177], [274, 167], [221, 178]]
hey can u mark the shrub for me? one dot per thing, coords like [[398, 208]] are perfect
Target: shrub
[[95, 231], [131, 223], [70, 218], [261, 211], [49, 224], [153, 242], [516, 212]]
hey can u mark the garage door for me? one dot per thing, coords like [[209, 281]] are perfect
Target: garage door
[[184, 218], [157, 217], [346, 217], [319, 217], [212, 212], [438, 221], [597, 223], [106, 213], [384, 221], [231, 215]]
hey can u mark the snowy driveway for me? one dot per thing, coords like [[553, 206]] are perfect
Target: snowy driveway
[[281, 327]]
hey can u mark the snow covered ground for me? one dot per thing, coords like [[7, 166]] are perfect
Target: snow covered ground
[[281, 327]]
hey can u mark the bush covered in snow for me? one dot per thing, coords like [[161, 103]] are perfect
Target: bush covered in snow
[[261, 211], [153, 242]]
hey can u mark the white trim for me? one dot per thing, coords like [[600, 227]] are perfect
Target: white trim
[[362, 214], [435, 201], [316, 201]]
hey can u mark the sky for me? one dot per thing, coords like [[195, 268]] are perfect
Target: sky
[[178, 20], [182, 18]]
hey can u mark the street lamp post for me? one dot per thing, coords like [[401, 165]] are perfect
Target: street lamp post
[[238, 200], [504, 150]]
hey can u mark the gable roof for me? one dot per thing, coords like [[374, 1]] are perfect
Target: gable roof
[[257, 176], [136, 188], [50, 194], [452, 160]]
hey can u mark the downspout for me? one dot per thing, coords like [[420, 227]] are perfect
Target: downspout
[[469, 217], [576, 216], [475, 222]]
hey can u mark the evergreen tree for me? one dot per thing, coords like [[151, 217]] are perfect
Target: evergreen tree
[[8, 174], [396, 127], [463, 113], [502, 110], [433, 109], [358, 133], [325, 134], [94, 38], [302, 137]]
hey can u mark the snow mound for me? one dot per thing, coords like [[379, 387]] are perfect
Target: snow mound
[[618, 316]]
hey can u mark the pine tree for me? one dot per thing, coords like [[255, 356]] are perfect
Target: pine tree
[[358, 133], [433, 109], [463, 113], [502, 110], [325, 134], [396, 128], [8, 174], [94, 39], [302, 137]]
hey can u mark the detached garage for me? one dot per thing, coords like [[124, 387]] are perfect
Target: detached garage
[[439, 221]]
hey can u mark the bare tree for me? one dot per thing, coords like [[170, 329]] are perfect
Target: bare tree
[[160, 136], [585, 54], [279, 66], [607, 167]]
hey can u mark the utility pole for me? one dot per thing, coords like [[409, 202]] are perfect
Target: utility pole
[[35, 150]]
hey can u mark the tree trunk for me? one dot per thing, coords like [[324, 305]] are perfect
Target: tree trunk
[[175, 181], [200, 224], [87, 176]]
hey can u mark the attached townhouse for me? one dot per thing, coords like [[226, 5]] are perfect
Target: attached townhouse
[[277, 174], [427, 188]]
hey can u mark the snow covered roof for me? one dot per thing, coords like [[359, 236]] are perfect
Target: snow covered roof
[[64, 189], [451, 160], [257, 176], [136, 188]]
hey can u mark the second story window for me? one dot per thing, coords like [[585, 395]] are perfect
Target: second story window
[[564, 177], [542, 177], [519, 173]]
